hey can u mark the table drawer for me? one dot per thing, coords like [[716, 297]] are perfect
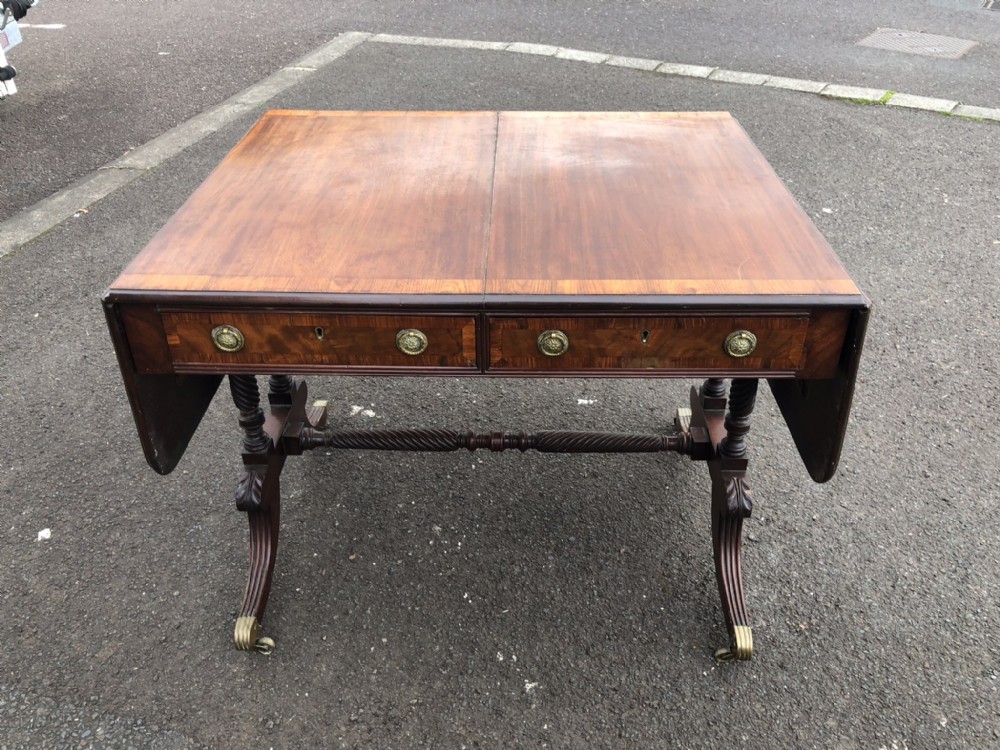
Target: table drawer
[[676, 342], [265, 341]]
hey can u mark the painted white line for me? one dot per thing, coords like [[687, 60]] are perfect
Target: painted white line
[[54, 26]]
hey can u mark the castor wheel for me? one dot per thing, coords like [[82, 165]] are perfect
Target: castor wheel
[[264, 646]]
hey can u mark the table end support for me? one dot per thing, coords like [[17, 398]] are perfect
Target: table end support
[[731, 504], [732, 500], [258, 494]]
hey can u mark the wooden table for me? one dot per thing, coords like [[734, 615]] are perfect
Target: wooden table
[[490, 244]]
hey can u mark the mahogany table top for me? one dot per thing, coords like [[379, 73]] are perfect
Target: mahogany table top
[[491, 204]]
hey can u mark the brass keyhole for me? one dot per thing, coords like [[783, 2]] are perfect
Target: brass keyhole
[[320, 333], [645, 336]]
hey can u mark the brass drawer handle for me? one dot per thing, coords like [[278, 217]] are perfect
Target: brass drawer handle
[[553, 343], [411, 341], [228, 339], [740, 344]]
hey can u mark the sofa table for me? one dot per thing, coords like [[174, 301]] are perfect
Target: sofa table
[[486, 244]]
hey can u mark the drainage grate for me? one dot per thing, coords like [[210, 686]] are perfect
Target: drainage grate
[[918, 43]]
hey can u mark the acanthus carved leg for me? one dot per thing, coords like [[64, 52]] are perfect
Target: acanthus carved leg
[[731, 503], [258, 495]]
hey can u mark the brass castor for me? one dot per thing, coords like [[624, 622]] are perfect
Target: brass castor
[[247, 636], [741, 648], [264, 646]]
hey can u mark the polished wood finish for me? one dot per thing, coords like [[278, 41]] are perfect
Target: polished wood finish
[[817, 410], [439, 441], [677, 342], [630, 203], [167, 408], [495, 204], [790, 343], [293, 339], [639, 242], [338, 202]]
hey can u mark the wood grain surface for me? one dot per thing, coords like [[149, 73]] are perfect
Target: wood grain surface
[[302, 338], [492, 204], [646, 237], [647, 203], [682, 342], [335, 202]]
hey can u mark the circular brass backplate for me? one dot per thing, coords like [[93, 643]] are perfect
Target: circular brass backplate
[[227, 339], [553, 343], [411, 341], [740, 344]]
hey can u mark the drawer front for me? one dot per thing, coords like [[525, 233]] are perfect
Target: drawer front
[[273, 340], [681, 343]]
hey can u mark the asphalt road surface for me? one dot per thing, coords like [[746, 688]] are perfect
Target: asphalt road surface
[[465, 600], [121, 72]]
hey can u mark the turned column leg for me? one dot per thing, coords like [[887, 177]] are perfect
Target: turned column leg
[[280, 388], [258, 495], [714, 389], [731, 503]]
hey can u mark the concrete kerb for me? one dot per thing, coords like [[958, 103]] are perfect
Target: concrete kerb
[[737, 76], [636, 63], [796, 84], [48, 213], [856, 94], [580, 55], [45, 215], [426, 41], [927, 103], [525, 48], [968, 111], [689, 71], [336, 48]]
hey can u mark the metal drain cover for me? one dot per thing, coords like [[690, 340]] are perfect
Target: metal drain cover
[[918, 43]]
